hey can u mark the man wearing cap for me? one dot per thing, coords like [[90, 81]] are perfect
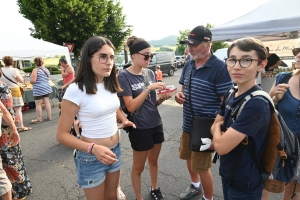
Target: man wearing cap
[[209, 82]]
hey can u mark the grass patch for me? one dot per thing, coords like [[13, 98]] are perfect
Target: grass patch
[[51, 61]]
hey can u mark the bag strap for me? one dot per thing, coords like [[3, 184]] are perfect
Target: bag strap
[[9, 78], [224, 103], [237, 111], [44, 72], [190, 91]]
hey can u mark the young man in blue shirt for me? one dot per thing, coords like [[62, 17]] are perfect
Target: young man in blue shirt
[[246, 58]]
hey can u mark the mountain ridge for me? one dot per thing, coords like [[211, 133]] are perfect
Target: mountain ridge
[[170, 40]]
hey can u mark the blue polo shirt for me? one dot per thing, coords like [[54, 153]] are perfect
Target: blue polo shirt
[[208, 84]]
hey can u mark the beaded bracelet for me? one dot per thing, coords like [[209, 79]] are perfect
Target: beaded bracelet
[[89, 148]]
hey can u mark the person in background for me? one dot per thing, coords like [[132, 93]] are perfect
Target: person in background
[[14, 139], [41, 89], [139, 85], [158, 73], [260, 75], [93, 98], [12, 77], [67, 71], [209, 82], [11, 155], [187, 54], [246, 58], [273, 61], [287, 98]]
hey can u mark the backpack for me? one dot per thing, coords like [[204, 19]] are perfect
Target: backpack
[[279, 162]]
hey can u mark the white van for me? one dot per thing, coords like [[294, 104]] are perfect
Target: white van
[[221, 53]]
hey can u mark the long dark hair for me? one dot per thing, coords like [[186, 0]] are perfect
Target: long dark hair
[[85, 75]]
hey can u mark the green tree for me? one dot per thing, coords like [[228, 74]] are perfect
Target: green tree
[[183, 35], [74, 21], [216, 45]]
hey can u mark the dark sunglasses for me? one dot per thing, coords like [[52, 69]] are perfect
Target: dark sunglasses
[[296, 51], [146, 56]]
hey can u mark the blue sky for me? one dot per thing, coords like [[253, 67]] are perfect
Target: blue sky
[[151, 19]]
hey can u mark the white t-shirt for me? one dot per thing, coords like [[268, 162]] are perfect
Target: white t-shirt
[[11, 73], [97, 112]]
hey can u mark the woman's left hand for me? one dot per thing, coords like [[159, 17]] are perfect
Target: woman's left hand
[[126, 123], [14, 137]]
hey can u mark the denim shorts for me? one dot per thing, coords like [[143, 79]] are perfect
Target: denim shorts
[[91, 172]]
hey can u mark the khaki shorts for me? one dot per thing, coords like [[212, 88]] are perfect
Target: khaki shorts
[[201, 161], [5, 185]]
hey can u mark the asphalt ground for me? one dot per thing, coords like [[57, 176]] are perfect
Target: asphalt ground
[[51, 168]]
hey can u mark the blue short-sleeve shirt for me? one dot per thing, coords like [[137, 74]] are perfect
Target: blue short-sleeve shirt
[[289, 107], [255, 125], [208, 84]]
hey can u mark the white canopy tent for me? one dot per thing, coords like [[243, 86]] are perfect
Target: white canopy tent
[[274, 20], [27, 48]]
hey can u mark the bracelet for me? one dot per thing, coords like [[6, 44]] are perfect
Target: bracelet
[[147, 90], [92, 148], [89, 148]]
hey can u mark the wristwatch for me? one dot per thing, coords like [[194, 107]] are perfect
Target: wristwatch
[[147, 90]]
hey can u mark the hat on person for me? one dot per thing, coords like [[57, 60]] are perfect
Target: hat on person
[[197, 35]]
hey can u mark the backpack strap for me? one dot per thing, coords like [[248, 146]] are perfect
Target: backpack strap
[[237, 111], [223, 104]]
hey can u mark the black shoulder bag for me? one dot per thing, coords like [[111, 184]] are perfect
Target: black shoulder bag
[[200, 136]]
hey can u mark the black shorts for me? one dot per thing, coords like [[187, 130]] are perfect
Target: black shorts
[[144, 139], [40, 97]]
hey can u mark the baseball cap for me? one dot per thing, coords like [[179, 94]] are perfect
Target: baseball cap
[[198, 35]]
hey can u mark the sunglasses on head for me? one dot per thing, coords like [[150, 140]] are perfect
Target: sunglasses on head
[[296, 51], [146, 56]]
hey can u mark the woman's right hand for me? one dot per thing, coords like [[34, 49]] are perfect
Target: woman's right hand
[[104, 154], [280, 90], [157, 86]]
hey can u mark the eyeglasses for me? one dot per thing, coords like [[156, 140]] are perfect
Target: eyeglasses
[[146, 56], [244, 62], [296, 51], [103, 58]]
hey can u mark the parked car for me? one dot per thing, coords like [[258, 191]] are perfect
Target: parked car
[[166, 61], [180, 60], [221, 53]]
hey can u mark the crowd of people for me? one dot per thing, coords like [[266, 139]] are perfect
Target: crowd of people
[[96, 99]]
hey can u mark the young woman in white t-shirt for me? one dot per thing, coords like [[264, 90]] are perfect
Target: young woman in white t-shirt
[[93, 98]]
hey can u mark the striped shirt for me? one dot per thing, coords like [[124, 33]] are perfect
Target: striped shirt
[[208, 84], [42, 85]]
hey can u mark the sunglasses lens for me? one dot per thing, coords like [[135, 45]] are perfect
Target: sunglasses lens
[[296, 51], [146, 57]]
